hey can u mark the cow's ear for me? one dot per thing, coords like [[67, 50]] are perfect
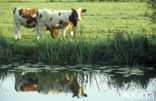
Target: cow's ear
[[72, 9], [83, 11]]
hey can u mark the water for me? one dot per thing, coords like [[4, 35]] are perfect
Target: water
[[83, 84]]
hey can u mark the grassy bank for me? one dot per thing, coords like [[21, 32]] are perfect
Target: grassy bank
[[120, 48]]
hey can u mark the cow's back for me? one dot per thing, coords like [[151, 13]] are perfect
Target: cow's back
[[25, 17]]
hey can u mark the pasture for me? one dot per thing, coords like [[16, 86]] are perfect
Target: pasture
[[100, 18], [100, 21]]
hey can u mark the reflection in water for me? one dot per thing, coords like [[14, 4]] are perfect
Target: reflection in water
[[49, 83], [120, 78], [131, 81], [3, 74], [132, 84]]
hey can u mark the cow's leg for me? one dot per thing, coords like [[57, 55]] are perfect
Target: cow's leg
[[40, 30], [17, 31], [37, 33], [64, 30], [71, 33], [54, 33]]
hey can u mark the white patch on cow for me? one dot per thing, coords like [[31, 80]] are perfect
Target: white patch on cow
[[79, 12]]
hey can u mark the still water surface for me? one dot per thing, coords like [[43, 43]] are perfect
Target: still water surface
[[83, 84]]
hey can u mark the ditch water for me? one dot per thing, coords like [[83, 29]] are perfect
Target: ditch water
[[81, 82]]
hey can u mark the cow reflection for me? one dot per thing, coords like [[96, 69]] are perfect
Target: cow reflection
[[49, 83]]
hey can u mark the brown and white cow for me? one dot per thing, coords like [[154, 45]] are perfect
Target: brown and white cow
[[66, 20], [27, 18]]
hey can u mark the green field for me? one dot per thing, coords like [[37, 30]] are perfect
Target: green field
[[100, 20]]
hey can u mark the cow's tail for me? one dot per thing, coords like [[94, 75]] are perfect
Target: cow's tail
[[14, 18]]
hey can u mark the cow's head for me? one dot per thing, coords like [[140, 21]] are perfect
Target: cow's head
[[80, 12], [76, 15]]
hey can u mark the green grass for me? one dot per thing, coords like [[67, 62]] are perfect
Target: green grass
[[74, 0], [120, 49], [110, 33], [100, 18]]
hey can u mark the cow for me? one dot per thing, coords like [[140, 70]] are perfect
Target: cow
[[66, 20], [27, 18]]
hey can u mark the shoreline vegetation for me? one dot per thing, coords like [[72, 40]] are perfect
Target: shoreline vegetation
[[120, 48]]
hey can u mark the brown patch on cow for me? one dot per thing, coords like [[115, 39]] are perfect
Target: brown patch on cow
[[51, 19], [54, 33], [28, 13], [14, 11], [60, 21], [59, 13], [32, 12], [40, 16], [73, 17]]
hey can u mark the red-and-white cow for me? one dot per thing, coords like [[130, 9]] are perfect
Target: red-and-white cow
[[27, 18], [58, 19]]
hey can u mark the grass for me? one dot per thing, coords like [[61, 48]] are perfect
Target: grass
[[110, 33], [121, 49], [74, 0], [100, 17]]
